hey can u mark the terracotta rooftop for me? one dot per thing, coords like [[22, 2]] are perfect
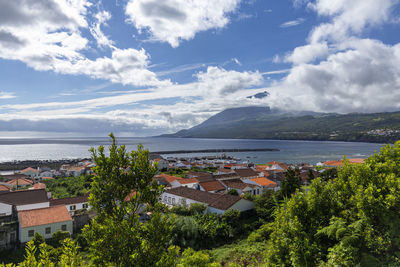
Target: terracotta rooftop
[[188, 181], [55, 214], [69, 200], [29, 169], [226, 176], [4, 187], [212, 186], [24, 197], [167, 178], [244, 173], [20, 181], [222, 202], [39, 186], [262, 181]]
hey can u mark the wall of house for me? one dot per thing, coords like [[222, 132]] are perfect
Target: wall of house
[[167, 198], [41, 229], [242, 205], [33, 206], [78, 206], [214, 210], [5, 209]]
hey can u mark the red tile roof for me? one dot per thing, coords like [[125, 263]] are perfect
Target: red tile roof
[[167, 178], [39, 186], [212, 186], [262, 181], [54, 214], [20, 181], [29, 169], [188, 181], [4, 188], [339, 163]]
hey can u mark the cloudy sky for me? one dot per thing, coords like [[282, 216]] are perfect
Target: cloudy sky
[[145, 67]]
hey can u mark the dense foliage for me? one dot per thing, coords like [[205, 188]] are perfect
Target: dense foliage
[[353, 219], [63, 187]]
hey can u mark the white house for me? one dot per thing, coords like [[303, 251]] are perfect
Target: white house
[[24, 200], [263, 183], [72, 204], [45, 221], [187, 182], [162, 164], [242, 187], [216, 203]]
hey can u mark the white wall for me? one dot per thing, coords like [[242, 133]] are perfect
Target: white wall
[[78, 206], [167, 198], [6, 209], [41, 229], [33, 206]]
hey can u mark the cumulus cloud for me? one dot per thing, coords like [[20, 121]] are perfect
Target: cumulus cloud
[[339, 70], [46, 35], [175, 20]]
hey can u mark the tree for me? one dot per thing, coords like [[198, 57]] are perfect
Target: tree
[[353, 220], [265, 205], [115, 235], [291, 183], [233, 192]]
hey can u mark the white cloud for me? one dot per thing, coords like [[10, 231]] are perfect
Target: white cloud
[[175, 20], [101, 19], [46, 35], [308, 53], [7, 95], [292, 23]]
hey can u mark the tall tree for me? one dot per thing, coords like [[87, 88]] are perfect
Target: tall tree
[[122, 185]]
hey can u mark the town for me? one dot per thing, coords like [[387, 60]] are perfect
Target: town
[[220, 183]]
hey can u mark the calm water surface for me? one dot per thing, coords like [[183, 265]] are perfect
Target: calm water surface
[[290, 151]]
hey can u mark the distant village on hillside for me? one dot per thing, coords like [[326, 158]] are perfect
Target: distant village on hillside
[[220, 183]]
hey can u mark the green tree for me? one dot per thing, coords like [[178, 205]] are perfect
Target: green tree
[[265, 205], [191, 258], [233, 192], [115, 235], [353, 220], [291, 183]]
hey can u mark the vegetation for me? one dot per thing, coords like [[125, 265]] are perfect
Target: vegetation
[[69, 186], [262, 123], [348, 218]]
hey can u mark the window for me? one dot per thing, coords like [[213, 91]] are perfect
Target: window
[[85, 205], [48, 230], [73, 207], [31, 233], [64, 227]]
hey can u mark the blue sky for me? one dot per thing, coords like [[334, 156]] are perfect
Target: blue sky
[[145, 67]]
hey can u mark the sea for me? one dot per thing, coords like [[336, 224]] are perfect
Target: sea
[[289, 151]]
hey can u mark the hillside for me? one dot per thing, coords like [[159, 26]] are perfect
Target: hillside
[[264, 123]]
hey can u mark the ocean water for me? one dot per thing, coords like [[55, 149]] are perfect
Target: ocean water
[[290, 151]]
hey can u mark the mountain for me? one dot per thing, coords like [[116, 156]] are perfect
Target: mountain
[[266, 123]]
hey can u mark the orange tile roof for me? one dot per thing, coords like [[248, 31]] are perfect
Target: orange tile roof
[[55, 214], [29, 169], [20, 181], [212, 186], [168, 178], [39, 186], [339, 163], [188, 181], [264, 182], [4, 188]]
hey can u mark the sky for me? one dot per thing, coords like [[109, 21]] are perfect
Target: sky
[[147, 67]]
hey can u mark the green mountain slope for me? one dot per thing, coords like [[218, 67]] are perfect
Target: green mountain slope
[[264, 123]]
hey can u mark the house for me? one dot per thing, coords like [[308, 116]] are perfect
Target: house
[[23, 200], [187, 182], [38, 186], [72, 204], [242, 187], [71, 170], [20, 182], [9, 177], [216, 203], [45, 221], [339, 163], [247, 173], [30, 172], [5, 187], [226, 176], [264, 183], [212, 186], [162, 164], [276, 165], [166, 180]]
